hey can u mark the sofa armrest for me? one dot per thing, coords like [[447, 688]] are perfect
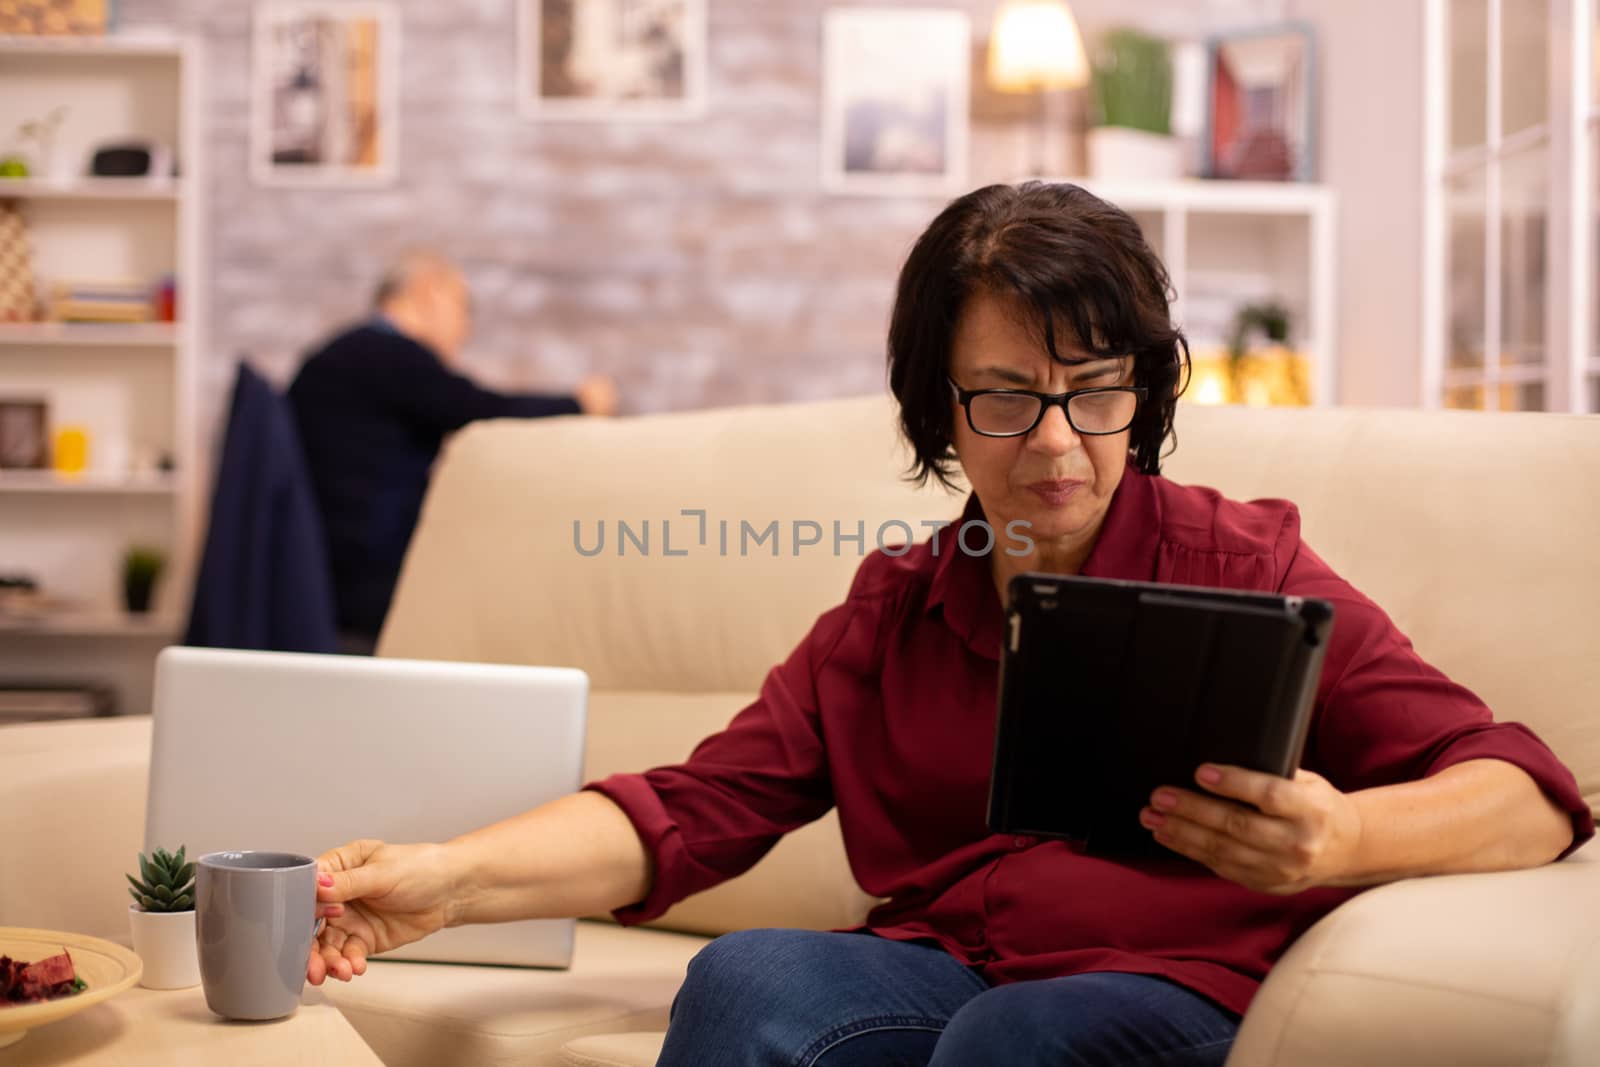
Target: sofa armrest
[[75, 792], [1460, 970]]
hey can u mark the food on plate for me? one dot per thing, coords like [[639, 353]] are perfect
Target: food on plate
[[32, 983]]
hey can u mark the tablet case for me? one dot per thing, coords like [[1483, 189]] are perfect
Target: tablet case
[[1109, 689]]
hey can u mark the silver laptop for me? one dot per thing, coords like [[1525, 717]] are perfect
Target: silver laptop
[[302, 753]]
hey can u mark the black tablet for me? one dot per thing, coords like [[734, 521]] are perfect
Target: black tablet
[[1109, 689]]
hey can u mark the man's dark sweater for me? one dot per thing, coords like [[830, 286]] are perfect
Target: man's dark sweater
[[373, 406]]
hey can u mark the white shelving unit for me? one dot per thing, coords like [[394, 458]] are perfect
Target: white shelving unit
[[131, 386], [90, 335], [89, 624], [92, 189], [47, 482], [116, 46], [1228, 243]]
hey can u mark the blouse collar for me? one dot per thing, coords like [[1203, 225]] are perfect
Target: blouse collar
[[963, 585]]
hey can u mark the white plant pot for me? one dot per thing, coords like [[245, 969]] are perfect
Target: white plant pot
[[1117, 153], [164, 941]]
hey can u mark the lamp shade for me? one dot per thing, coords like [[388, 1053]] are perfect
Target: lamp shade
[[1035, 45]]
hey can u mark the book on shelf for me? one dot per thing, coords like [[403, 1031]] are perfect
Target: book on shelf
[[117, 302]]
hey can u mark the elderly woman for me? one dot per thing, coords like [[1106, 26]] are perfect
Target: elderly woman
[[1031, 344]]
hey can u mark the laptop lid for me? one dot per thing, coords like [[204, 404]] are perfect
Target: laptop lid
[[302, 753]]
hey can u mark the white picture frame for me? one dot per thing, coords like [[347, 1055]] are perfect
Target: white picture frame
[[896, 100], [595, 60], [305, 129]]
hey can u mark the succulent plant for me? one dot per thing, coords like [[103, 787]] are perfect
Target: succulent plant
[[1271, 319], [167, 882]]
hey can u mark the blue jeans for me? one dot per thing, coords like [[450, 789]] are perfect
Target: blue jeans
[[798, 998]]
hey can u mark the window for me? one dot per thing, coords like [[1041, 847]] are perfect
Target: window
[[1511, 230], [1587, 219]]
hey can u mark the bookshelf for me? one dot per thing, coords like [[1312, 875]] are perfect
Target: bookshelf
[[1228, 243], [93, 189], [91, 335], [48, 482], [130, 386]]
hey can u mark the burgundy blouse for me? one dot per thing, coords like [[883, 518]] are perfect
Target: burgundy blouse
[[887, 710]]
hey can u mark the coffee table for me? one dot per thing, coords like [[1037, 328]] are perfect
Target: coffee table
[[161, 1028]]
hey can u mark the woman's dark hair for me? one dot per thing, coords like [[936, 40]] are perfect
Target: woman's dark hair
[[1080, 264]]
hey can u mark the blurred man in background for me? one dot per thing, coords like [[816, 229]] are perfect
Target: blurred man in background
[[373, 406]]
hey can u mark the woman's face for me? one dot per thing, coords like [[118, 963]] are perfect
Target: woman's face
[[1060, 483]]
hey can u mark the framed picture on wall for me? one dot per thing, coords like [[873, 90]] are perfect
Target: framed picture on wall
[[325, 108], [895, 99], [1260, 105], [24, 433], [611, 59]]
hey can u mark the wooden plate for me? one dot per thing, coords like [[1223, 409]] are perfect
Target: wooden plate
[[108, 968]]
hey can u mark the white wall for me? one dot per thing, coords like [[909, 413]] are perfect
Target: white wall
[[1371, 152]]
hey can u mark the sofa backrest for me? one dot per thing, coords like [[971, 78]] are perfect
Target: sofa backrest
[[1476, 532], [495, 573]]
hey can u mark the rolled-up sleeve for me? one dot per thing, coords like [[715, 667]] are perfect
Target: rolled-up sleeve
[[712, 817], [1385, 715]]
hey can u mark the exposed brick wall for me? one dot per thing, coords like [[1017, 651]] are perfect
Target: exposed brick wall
[[699, 262]]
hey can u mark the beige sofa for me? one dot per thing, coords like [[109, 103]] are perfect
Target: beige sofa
[[1477, 533]]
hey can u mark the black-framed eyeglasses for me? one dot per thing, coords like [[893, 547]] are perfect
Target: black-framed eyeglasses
[[1093, 412]]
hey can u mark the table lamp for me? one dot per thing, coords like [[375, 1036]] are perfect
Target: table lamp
[[1035, 47]]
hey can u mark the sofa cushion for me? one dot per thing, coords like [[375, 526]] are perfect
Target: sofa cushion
[[805, 881], [639, 1048], [493, 574], [425, 1014]]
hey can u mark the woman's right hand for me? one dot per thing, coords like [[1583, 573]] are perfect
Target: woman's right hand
[[376, 897]]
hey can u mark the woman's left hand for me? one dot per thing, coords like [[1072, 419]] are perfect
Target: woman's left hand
[[1271, 834]]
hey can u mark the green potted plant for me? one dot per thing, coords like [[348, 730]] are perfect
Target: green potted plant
[[162, 918], [1132, 137], [43, 132], [1262, 375], [140, 569]]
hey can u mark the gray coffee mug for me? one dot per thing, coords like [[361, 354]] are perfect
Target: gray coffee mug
[[255, 915]]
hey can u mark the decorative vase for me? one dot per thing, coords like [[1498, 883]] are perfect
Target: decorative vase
[[1117, 153], [165, 942]]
